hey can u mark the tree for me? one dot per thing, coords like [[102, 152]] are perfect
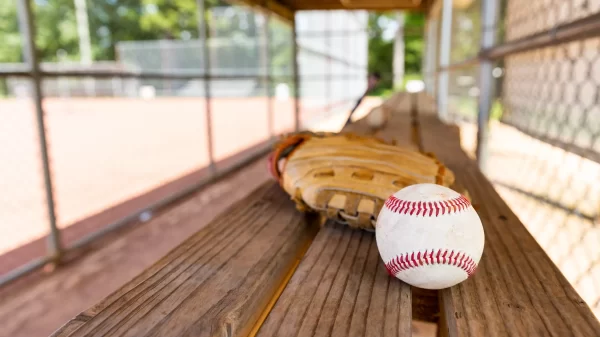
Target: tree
[[110, 21], [413, 42], [381, 49], [10, 48]]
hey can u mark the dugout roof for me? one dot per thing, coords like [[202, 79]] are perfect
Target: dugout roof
[[286, 8]]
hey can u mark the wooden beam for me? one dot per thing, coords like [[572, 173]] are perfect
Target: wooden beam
[[383, 4], [275, 7], [410, 5], [286, 8], [280, 9]]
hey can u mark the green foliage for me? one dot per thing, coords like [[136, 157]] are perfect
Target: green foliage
[[497, 109], [413, 44], [110, 21], [56, 28], [381, 51], [10, 47], [281, 44]]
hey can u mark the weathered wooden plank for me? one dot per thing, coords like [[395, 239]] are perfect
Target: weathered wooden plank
[[517, 290], [341, 288], [72, 325], [401, 126], [218, 282]]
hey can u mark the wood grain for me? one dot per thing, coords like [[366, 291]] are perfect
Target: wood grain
[[216, 283], [228, 277], [341, 288], [517, 290], [399, 127]]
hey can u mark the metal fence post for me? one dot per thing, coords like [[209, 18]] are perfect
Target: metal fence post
[[204, 36], [430, 60], [486, 81], [27, 29], [296, 77], [348, 71], [399, 51], [444, 61], [328, 72], [266, 45]]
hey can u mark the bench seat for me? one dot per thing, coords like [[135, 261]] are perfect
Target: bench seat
[[264, 269]]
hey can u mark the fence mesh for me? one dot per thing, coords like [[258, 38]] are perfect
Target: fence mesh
[[552, 93], [550, 102], [332, 61], [545, 121], [23, 207], [527, 18], [117, 144]]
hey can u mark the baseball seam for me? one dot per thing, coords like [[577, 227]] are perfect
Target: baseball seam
[[427, 208], [407, 261]]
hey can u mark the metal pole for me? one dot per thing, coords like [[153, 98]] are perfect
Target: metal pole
[[29, 52], [203, 35], [398, 62], [269, 80], [486, 81], [442, 97], [579, 29], [328, 75], [85, 46], [431, 66], [296, 77], [347, 93]]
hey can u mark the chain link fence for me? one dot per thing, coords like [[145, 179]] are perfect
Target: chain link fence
[[23, 213], [148, 110], [332, 58], [543, 146]]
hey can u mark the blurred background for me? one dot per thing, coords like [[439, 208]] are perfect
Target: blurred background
[[128, 104]]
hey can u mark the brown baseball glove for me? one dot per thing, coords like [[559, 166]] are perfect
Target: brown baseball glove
[[347, 177]]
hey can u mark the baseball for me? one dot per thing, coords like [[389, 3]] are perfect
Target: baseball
[[429, 236], [377, 117]]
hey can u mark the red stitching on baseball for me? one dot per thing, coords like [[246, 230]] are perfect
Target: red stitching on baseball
[[409, 260], [421, 207]]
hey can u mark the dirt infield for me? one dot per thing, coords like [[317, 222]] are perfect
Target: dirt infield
[[105, 151]]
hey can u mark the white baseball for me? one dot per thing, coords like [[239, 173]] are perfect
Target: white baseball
[[377, 117], [429, 236]]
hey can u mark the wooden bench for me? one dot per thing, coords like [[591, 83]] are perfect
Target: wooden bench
[[263, 269]]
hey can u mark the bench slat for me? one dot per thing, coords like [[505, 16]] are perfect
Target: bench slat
[[341, 288], [219, 280], [517, 290]]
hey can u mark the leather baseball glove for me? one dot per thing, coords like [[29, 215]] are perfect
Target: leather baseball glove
[[347, 177]]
